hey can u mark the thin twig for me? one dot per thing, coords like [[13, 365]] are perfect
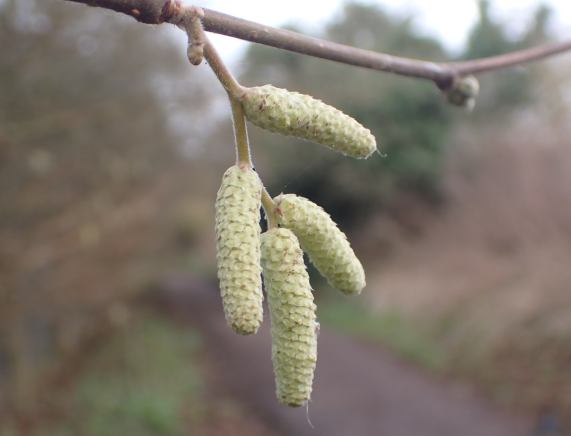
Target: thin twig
[[270, 209], [185, 18], [243, 156], [222, 72], [443, 74], [510, 59], [190, 20], [223, 24]]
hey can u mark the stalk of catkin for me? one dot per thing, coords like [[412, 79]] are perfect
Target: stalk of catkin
[[295, 114], [238, 248], [292, 314], [326, 246]]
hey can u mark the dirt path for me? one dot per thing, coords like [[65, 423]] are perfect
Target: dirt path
[[359, 390]]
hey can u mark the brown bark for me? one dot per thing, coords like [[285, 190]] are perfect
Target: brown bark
[[145, 11]]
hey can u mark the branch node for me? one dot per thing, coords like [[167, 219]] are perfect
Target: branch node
[[171, 10], [196, 11]]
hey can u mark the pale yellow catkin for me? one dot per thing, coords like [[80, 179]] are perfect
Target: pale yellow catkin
[[326, 246], [295, 114], [238, 248], [292, 315]]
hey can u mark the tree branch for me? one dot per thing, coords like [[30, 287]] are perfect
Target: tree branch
[[443, 74], [145, 11], [510, 59], [223, 24]]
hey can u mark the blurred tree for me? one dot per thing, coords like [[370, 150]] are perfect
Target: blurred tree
[[103, 125], [487, 37], [86, 142], [407, 117], [511, 88]]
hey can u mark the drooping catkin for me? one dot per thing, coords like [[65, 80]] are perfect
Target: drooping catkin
[[326, 246], [292, 314], [295, 114], [238, 248]]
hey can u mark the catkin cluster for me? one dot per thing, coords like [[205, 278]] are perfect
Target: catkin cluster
[[292, 314], [292, 113], [240, 252], [238, 248], [243, 254]]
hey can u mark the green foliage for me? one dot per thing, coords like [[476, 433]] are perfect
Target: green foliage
[[143, 382], [389, 328]]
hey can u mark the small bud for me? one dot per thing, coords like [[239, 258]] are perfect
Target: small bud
[[291, 113], [464, 92], [238, 248], [326, 245], [292, 314], [196, 38]]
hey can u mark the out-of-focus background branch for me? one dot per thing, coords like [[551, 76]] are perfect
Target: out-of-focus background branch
[[111, 151]]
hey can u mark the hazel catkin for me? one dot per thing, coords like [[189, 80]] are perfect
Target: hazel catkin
[[238, 248], [326, 246], [295, 114], [292, 315]]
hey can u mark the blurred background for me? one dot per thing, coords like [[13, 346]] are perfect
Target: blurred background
[[111, 152]]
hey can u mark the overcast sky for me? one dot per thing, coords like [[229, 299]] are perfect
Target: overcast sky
[[447, 19]]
